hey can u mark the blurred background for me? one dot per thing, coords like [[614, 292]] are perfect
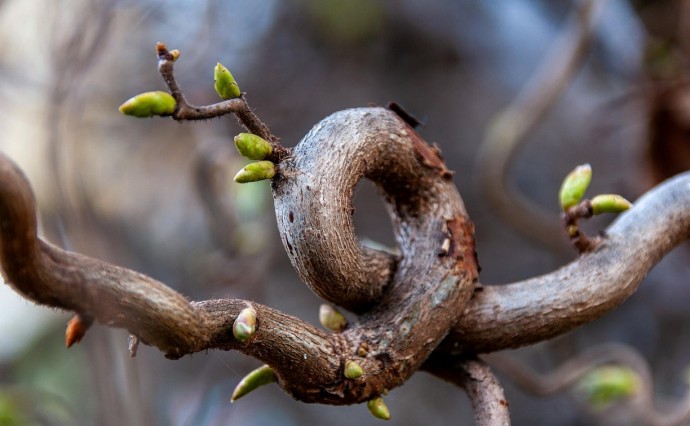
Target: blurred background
[[156, 195]]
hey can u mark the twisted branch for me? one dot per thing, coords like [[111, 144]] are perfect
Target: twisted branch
[[407, 306]]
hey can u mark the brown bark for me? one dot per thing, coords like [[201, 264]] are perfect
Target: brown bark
[[406, 306]]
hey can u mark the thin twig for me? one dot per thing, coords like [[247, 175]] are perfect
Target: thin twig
[[238, 106], [510, 127], [578, 238]]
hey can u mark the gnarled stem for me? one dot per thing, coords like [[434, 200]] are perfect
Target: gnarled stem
[[414, 304]]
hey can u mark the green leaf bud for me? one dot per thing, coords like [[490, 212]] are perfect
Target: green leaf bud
[[225, 83], [253, 146], [604, 385], [244, 326], [149, 104], [609, 203], [331, 318], [574, 186], [175, 54], [378, 408], [353, 370], [257, 378], [255, 172]]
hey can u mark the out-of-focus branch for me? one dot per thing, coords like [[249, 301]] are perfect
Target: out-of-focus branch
[[510, 127], [573, 370]]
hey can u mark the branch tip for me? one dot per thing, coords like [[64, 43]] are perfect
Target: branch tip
[[133, 345]]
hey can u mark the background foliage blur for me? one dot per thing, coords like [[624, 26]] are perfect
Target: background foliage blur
[[155, 195]]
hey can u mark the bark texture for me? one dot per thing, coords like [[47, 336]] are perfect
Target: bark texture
[[423, 309]]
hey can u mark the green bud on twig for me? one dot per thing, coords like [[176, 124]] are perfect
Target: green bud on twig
[[353, 370], [331, 318], [257, 378], [378, 408], [245, 325], [175, 54], [574, 186], [252, 146], [149, 104], [225, 83], [609, 203], [604, 385], [255, 172]]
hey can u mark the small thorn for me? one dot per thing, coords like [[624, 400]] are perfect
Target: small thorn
[[133, 345], [76, 329], [445, 247]]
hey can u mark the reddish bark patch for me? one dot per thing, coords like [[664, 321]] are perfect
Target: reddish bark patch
[[429, 156], [462, 245]]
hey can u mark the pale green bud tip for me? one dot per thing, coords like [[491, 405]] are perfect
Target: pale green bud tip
[[257, 378], [225, 83], [353, 370], [378, 408], [149, 104], [175, 54], [331, 318], [574, 186], [606, 384], [252, 146], [245, 325], [609, 203], [256, 171]]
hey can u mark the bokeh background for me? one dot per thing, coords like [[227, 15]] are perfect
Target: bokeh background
[[156, 195]]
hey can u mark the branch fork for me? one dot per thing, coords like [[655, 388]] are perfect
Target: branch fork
[[416, 311]]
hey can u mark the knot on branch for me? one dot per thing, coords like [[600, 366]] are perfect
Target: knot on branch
[[407, 305]]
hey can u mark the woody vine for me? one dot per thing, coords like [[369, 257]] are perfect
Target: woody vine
[[423, 309]]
